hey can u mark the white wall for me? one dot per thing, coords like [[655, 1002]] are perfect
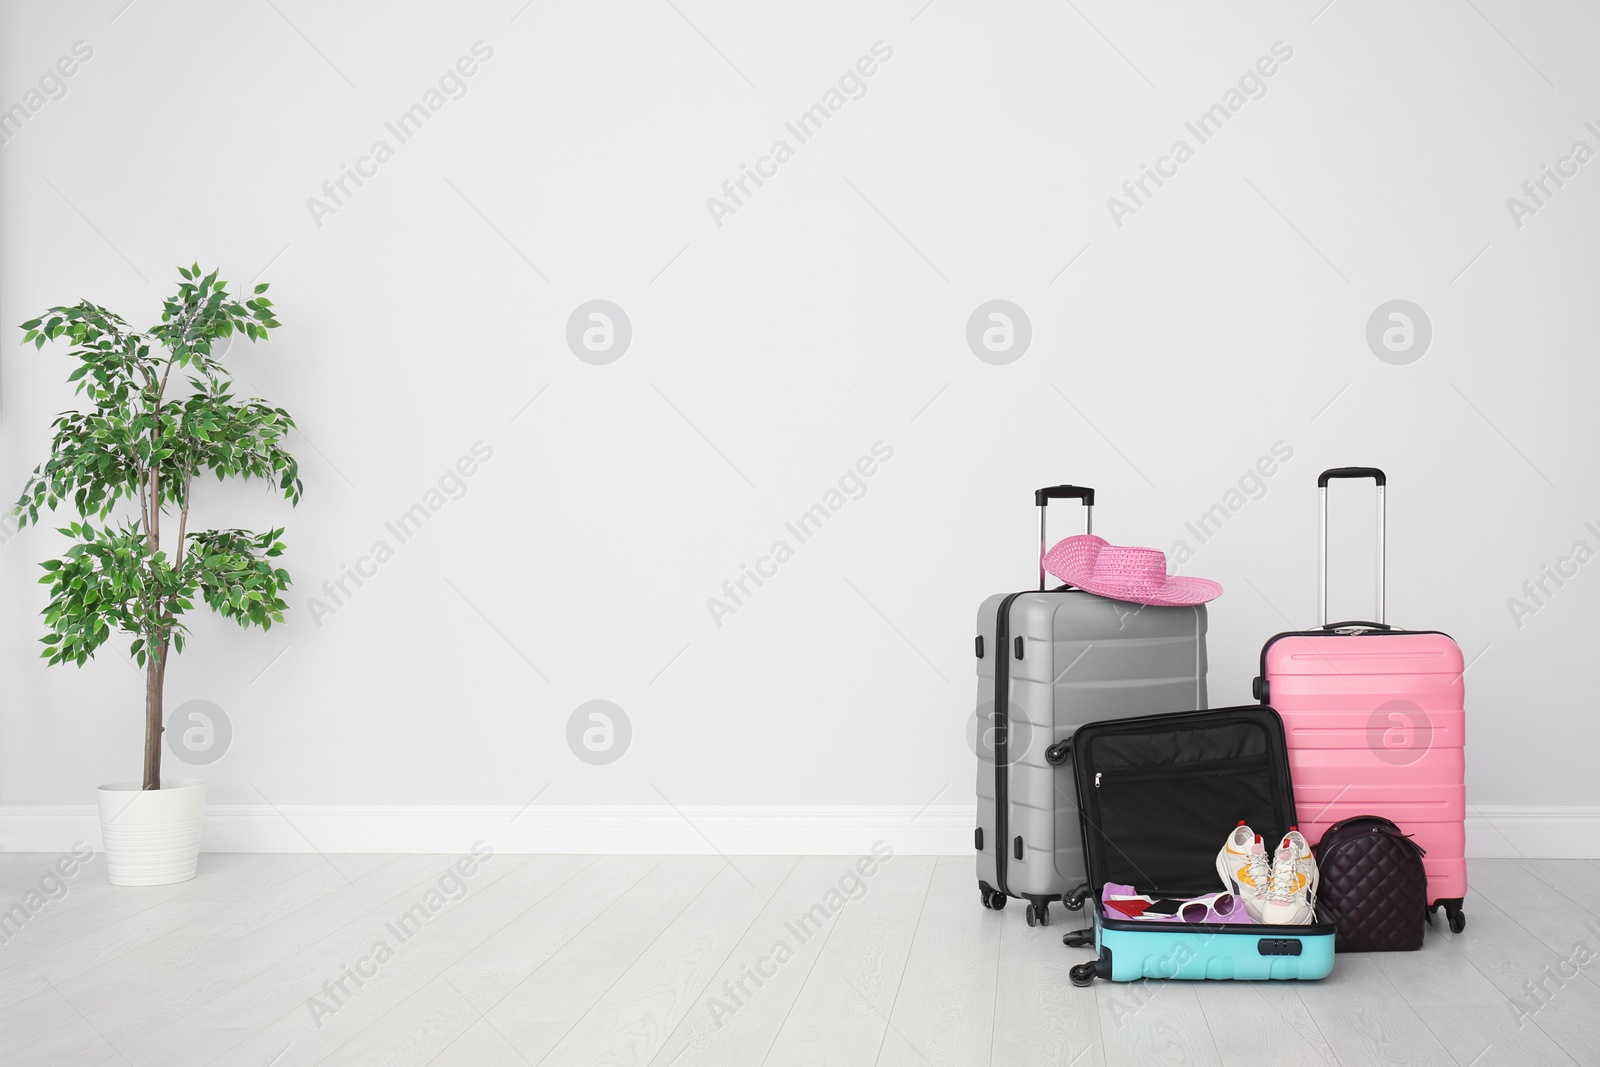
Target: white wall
[[428, 313]]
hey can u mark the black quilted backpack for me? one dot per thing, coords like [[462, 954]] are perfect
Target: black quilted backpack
[[1372, 881]]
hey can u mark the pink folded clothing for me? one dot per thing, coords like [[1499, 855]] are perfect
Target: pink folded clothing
[[1125, 902]]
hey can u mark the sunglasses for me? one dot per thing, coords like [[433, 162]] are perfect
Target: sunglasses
[[1196, 910], [1193, 910]]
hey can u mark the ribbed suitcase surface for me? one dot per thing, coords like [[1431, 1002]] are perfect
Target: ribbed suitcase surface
[[1375, 722], [1084, 658], [1376, 726]]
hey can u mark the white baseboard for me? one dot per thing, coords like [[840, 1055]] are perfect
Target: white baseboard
[[1508, 831], [748, 830], [1513, 831]]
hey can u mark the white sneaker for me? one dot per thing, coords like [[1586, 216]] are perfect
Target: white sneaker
[[1245, 871], [1292, 893]]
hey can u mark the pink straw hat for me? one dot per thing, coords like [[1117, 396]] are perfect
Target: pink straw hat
[[1123, 572]]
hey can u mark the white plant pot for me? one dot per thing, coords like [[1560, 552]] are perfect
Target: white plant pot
[[152, 837]]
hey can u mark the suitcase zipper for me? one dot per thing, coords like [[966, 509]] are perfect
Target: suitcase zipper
[[1002, 697], [1384, 830], [1002, 694], [1275, 638], [1194, 770]]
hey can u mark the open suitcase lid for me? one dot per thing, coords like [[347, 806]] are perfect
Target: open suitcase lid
[[1157, 795]]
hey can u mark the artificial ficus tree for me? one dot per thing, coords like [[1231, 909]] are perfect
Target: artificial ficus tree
[[133, 458]]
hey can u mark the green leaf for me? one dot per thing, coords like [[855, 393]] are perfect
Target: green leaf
[[140, 420]]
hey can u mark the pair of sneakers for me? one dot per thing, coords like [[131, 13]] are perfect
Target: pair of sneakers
[[1280, 889]]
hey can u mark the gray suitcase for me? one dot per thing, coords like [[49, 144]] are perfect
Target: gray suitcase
[[1049, 661]]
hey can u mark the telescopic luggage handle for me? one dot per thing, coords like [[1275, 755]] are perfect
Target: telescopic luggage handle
[[1042, 498], [1351, 472], [1322, 585]]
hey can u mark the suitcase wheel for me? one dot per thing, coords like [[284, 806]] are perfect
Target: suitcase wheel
[[1038, 913], [1453, 914], [1079, 938], [992, 898], [1083, 974]]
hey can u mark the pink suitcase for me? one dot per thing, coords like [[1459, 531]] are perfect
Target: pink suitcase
[[1375, 724]]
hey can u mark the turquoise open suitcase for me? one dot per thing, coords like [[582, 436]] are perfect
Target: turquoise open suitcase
[[1157, 796]]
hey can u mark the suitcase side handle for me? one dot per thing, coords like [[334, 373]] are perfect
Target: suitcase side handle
[[1322, 567], [1042, 498]]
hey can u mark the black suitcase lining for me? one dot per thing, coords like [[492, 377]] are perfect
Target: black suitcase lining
[[1158, 795]]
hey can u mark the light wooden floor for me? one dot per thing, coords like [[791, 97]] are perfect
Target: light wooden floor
[[571, 960]]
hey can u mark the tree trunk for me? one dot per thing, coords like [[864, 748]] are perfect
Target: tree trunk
[[155, 676]]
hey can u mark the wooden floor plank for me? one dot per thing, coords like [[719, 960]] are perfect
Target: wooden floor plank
[[1365, 1019], [1253, 1023], [41, 872], [690, 960], [1579, 880], [843, 1009], [1436, 975], [1466, 1011], [28, 1020], [199, 1043], [1523, 892], [128, 1021], [630, 1023], [306, 1012], [944, 1010], [71, 918], [1483, 1036], [1543, 988], [1040, 1018], [97, 970], [1154, 1021], [540, 1010], [738, 1014], [77, 1044]]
